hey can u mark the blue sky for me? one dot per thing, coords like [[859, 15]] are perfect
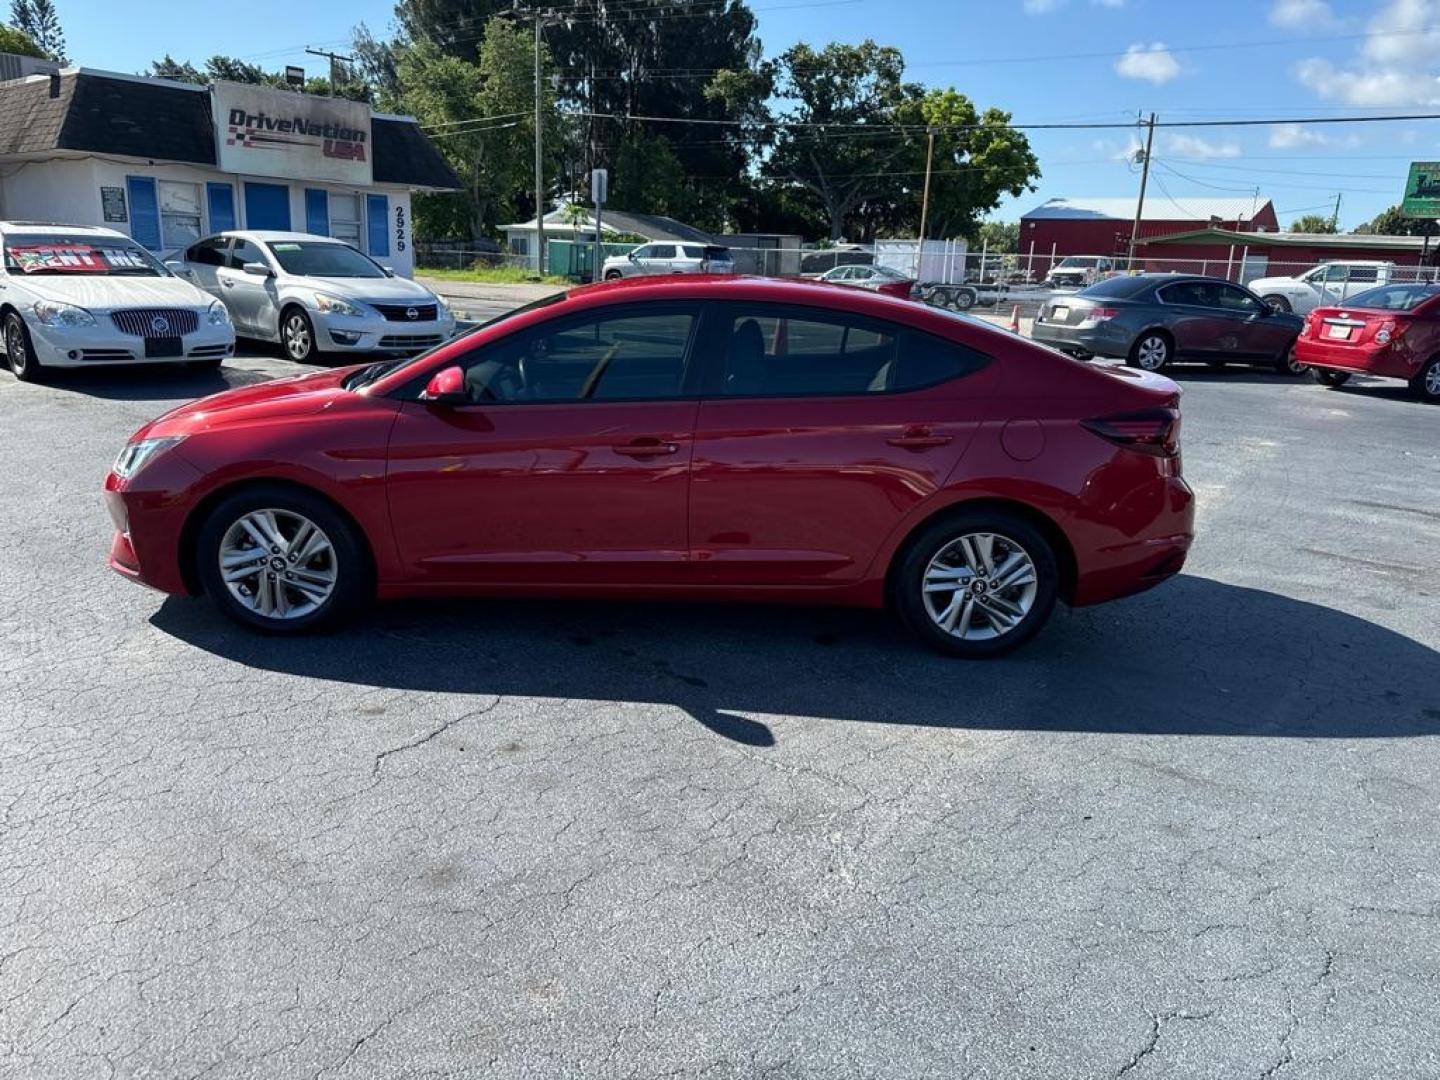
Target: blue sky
[[1043, 60]]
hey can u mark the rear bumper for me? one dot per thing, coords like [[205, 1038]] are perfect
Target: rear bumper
[[1134, 563], [1101, 340], [1384, 361]]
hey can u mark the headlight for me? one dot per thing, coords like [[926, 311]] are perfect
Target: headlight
[[52, 313], [133, 458], [442, 310], [218, 316], [335, 305]]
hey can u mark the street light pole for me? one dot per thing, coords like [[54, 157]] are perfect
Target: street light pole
[[1140, 202], [539, 160]]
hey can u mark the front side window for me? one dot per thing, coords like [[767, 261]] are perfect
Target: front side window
[[306, 258], [1335, 274], [244, 252], [787, 352], [38, 253], [620, 355]]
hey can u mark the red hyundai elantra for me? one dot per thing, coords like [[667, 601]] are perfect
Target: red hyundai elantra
[[732, 438]]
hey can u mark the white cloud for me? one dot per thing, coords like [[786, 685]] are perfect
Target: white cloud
[[1041, 7], [1115, 151], [1377, 87], [1152, 63], [1397, 65], [1291, 136], [1404, 33], [1302, 15], [1192, 146]]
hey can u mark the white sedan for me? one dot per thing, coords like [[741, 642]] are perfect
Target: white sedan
[[75, 296]]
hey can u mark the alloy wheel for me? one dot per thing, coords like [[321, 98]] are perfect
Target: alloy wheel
[[278, 564], [15, 348], [1152, 353], [980, 586], [298, 338]]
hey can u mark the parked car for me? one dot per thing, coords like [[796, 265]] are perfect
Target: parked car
[[730, 438], [1392, 331], [879, 279], [313, 294], [1328, 283], [1152, 321], [75, 296], [650, 259], [1078, 271]]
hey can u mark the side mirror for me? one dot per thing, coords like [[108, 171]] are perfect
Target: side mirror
[[446, 387], [630, 255], [258, 269], [178, 268], [389, 271]]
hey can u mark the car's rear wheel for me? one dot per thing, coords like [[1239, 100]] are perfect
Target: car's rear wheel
[[1426, 384], [1151, 352], [976, 583], [297, 334], [1276, 303], [965, 299], [1331, 379], [20, 351], [281, 560], [1287, 364]]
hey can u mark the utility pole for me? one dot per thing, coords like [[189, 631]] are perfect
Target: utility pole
[[1335, 218], [925, 199], [334, 68], [539, 160], [1140, 202]]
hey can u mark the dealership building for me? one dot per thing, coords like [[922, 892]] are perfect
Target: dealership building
[[169, 162]]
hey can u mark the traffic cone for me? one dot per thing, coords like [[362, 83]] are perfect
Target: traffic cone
[[1014, 326]]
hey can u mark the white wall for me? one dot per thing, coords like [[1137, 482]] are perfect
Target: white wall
[[68, 192]]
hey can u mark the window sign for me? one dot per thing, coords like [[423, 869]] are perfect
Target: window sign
[[113, 200]]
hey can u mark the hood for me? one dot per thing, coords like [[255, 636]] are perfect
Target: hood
[[386, 290], [300, 395], [104, 292], [1260, 284]]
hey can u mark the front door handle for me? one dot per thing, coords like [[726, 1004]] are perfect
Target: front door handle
[[642, 448], [920, 438], [227, 284]]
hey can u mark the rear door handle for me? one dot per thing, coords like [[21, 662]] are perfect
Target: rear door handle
[[920, 439], [642, 448]]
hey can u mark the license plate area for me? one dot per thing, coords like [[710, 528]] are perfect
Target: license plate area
[[1060, 313], [1338, 331], [158, 348]]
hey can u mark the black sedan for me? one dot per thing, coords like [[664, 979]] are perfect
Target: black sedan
[[1152, 320]]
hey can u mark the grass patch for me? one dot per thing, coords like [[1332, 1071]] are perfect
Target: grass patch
[[493, 275]]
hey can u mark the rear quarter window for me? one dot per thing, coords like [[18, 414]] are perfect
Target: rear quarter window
[[1119, 288], [925, 360]]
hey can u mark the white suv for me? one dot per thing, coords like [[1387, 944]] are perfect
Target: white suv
[[74, 296], [669, 258], [1328, 283]]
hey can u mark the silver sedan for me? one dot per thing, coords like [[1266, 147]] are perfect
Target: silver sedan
[[314, 294]]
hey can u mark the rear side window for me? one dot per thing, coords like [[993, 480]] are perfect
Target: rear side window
[[662, 251], [1364, 273], [208, 252], [804, 352], [693, 251], [1192, 293]]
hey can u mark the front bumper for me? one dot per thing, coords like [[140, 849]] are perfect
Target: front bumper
[[375, 333], [1102, 339], [149, 511], [102, 344]]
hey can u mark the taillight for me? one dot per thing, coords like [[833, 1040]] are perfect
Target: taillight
[[1148, 431], [1388, 332], [1311, 321], [1099, 314]]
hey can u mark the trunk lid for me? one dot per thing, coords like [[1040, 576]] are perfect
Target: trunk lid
[[1355, 327]]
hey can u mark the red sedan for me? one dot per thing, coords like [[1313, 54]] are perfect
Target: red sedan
[[731, 438], [1392, 331]]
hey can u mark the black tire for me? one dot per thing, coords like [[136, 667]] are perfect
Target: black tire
[[20, 351], [613, 275], [1277, 303], [1152, 351], [1332, 379], [297, 335], [1286, 363], [1426, 383], [909, 598], [965, 299], [354, 578]]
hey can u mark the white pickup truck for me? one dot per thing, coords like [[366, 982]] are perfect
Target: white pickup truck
[[1328, 283]]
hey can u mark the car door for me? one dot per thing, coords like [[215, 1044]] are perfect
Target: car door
[[251, 298], [1250, 332], [818, 432], [661, 259], [568, 466], [1200, 329], [203, 261]]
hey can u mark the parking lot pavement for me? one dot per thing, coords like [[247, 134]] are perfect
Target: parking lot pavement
[[1188, 834]]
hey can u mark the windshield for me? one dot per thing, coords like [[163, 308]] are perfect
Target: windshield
[[306, 259], [366, 376], [104, 256], [1394, 297], [893, 275], [1078, 262]]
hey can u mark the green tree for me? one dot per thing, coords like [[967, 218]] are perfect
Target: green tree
[[1314, 223], [18, 43], [40, 22], [1001, 236], [455, 27], [1390, 222], [230, 69]]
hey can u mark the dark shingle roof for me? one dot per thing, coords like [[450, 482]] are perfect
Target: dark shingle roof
[[403, 155], [162, 121], [655, 227]]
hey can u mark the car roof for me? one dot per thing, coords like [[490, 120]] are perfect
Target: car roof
[[273, 236], [57, 229]]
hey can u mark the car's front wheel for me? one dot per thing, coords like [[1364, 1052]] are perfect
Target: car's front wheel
[[1151, 352], [1276, 302], [281, 560], [1287, 364], [1426, 384], [976, 583], [297, 335], [19, 350], [1329, 378]]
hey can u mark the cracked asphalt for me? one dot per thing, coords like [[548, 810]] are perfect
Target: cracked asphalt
[[1191, 834]]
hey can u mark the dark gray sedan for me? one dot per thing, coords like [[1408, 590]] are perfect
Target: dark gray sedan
[[1152, 320]]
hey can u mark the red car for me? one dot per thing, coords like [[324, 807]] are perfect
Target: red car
[[726, 438], [1392, 331]]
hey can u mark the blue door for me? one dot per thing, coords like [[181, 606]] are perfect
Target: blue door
[[144, 211], [377, 224], [317, 211], [267, 206], [220, 200]]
